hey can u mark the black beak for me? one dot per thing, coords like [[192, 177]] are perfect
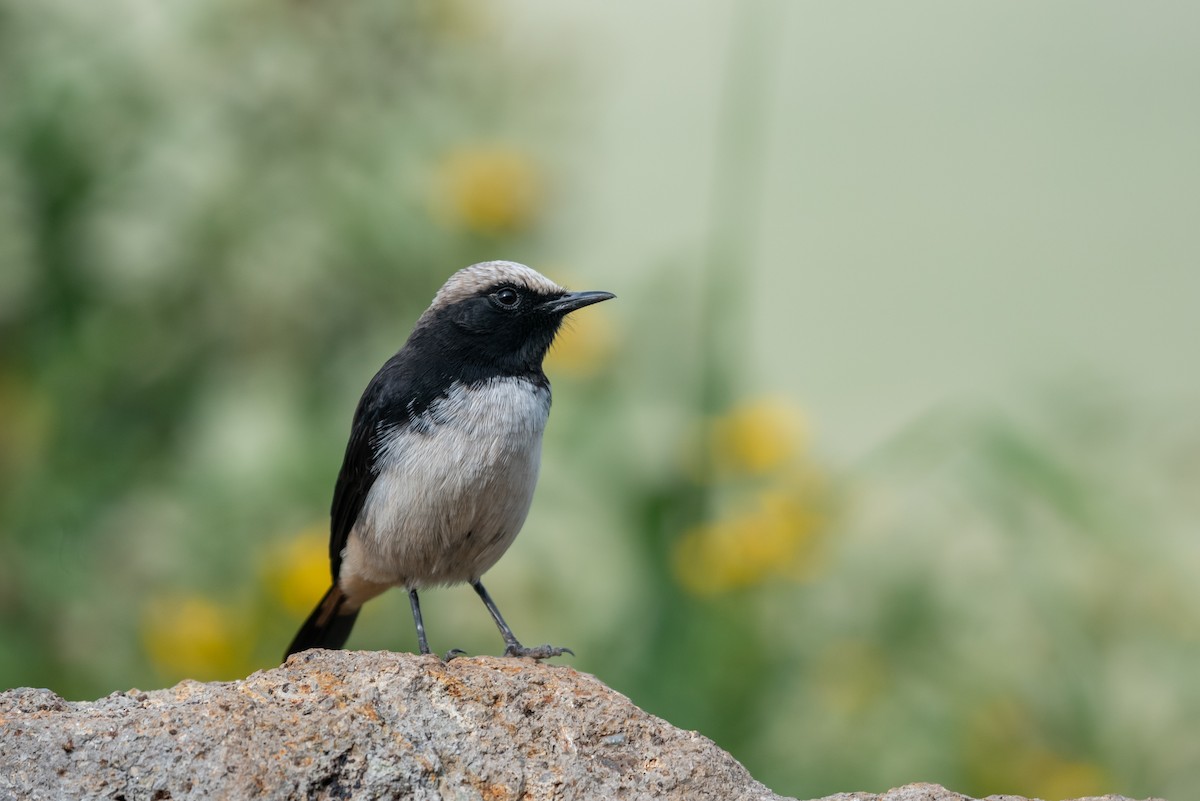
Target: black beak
[[575, 300]]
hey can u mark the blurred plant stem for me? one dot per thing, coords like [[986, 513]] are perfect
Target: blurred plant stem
[[735, 202], [684, 626]]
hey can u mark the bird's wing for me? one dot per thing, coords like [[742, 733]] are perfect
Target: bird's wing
[[354, 481], [398, 392]]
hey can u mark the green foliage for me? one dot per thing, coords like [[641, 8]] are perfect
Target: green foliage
[[217, 220]]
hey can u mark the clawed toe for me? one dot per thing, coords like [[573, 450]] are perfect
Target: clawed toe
[[453, 653], [537, 652]]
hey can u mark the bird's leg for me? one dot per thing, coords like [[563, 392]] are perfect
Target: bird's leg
[[416, 610], [513, 647]]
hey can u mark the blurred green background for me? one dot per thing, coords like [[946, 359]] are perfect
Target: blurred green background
[[884, 467]]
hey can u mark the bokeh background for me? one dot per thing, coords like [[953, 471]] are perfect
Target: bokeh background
[[884, 467]]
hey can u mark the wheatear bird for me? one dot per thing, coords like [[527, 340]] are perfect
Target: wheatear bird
[[444, 450]]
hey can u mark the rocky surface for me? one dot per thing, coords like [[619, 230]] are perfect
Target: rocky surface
[[342, 724], [933, 792]]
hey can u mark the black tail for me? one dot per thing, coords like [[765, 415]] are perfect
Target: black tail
[[327, 627]]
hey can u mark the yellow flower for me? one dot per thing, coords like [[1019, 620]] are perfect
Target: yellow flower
[[487, 190], [456, 19], [776, 538], [757, 437], [1004, 747], [851, 676], [190, 636], [297, 573], [25, 422], [1053, 776], [582, 346]]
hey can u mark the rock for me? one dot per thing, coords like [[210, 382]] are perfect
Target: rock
[[344, 724], [933, 792]]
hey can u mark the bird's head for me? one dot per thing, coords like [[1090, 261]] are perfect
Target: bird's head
[[500, 312]]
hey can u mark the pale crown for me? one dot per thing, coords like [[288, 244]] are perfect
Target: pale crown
[[472, 280]]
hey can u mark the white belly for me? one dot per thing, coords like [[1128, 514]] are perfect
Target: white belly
[[453, 491]]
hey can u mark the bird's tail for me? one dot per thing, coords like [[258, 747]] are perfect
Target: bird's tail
[[327, 627]]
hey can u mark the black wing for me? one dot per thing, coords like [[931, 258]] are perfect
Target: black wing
[[354, 481], [360, 465], [401, 390]]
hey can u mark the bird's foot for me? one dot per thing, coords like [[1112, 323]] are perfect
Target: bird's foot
[[453, 653], [537, 652]]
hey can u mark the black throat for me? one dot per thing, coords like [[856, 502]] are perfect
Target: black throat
[[441, 353]]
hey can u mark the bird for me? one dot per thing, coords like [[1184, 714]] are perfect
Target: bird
[[444, 450]]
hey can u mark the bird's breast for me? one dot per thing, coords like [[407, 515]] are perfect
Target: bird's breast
[[455, 484]]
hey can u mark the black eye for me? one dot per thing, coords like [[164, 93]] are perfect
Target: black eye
[[507, 297]]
